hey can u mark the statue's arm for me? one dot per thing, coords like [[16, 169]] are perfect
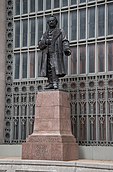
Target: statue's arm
[[42, 43], [66, 47]]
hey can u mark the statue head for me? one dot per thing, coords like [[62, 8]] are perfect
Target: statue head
[[52, 21]]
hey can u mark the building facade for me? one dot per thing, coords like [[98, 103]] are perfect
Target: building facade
[[89, 80]]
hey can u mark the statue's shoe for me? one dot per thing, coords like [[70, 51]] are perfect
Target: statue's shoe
[[49, 86]]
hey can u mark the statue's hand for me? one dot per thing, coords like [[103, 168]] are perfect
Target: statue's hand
[[48, 41], [67, 52]]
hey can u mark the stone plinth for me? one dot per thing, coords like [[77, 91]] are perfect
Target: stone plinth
[[52, 138]]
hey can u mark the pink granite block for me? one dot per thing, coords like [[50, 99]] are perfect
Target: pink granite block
[[47, 125], [51, 138]]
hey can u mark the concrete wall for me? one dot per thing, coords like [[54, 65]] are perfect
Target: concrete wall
[[2, 65]]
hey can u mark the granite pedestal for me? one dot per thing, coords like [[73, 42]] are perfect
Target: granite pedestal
[[52, 138]]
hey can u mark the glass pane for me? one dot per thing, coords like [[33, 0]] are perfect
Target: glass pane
[[32, 5], [65, 22], [17, 66], [91, 55], [110, 19], [82, 1], [17, 7], [40, 27], [25, 6], [56, 3], [82, 25], [73, 60], [24, 65], [101, 20], [17, 34], [73, 25], [101, 57], [39, 63], [40, 5], [48, 4], [82, 59], [64, 3], [25, 30], [57, 16], [32, 64], [91, 22], [73, 2], [32, 32], [110, 56]]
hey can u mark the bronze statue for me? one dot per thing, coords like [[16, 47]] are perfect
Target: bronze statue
[[54, 45]]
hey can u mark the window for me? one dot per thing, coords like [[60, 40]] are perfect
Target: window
[[56, 3], [73, 60], [32, 6], [17, 34], [91, 22], [73, 25], [25, 34], [82, 24], [25, 6], [32, 32], [32, 64], [101, 57], [24, 65], [17, 66], [101, 20], [64, 3], [17, 7], [73, 2], [110, 19], [91, 58], [40, 27], [48, 4], [82, 50], [65, 22], [110, 56], [40, 5]]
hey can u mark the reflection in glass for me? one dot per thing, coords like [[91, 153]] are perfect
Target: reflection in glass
[[82, 59], [82, 25], [56, 3], [82, 1], [40, 27], [17, 7], [64, 3], [25, 30], [73, 2], [32, 32], [73, 25], [32, 64], [91, 57], [17, 34], [17, 66], [32, 5], [48, 4], [101, 57], [110, 56], [101, 20], [65, 23], [24, 65], [73, 60], [110, 19], [91, 22], [40, 5], [25, 6]]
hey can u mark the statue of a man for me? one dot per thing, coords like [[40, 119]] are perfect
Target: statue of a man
[[54, 45]]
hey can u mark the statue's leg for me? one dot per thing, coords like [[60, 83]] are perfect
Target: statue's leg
[[54, 78]]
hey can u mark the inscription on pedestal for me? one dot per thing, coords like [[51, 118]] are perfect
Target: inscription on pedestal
[[33, 171]]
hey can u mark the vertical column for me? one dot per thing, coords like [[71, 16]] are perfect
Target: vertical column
[[2, 64]]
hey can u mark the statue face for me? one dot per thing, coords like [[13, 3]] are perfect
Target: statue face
[[52, 22]]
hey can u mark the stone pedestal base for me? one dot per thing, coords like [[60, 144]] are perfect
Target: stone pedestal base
[[52, 138]]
